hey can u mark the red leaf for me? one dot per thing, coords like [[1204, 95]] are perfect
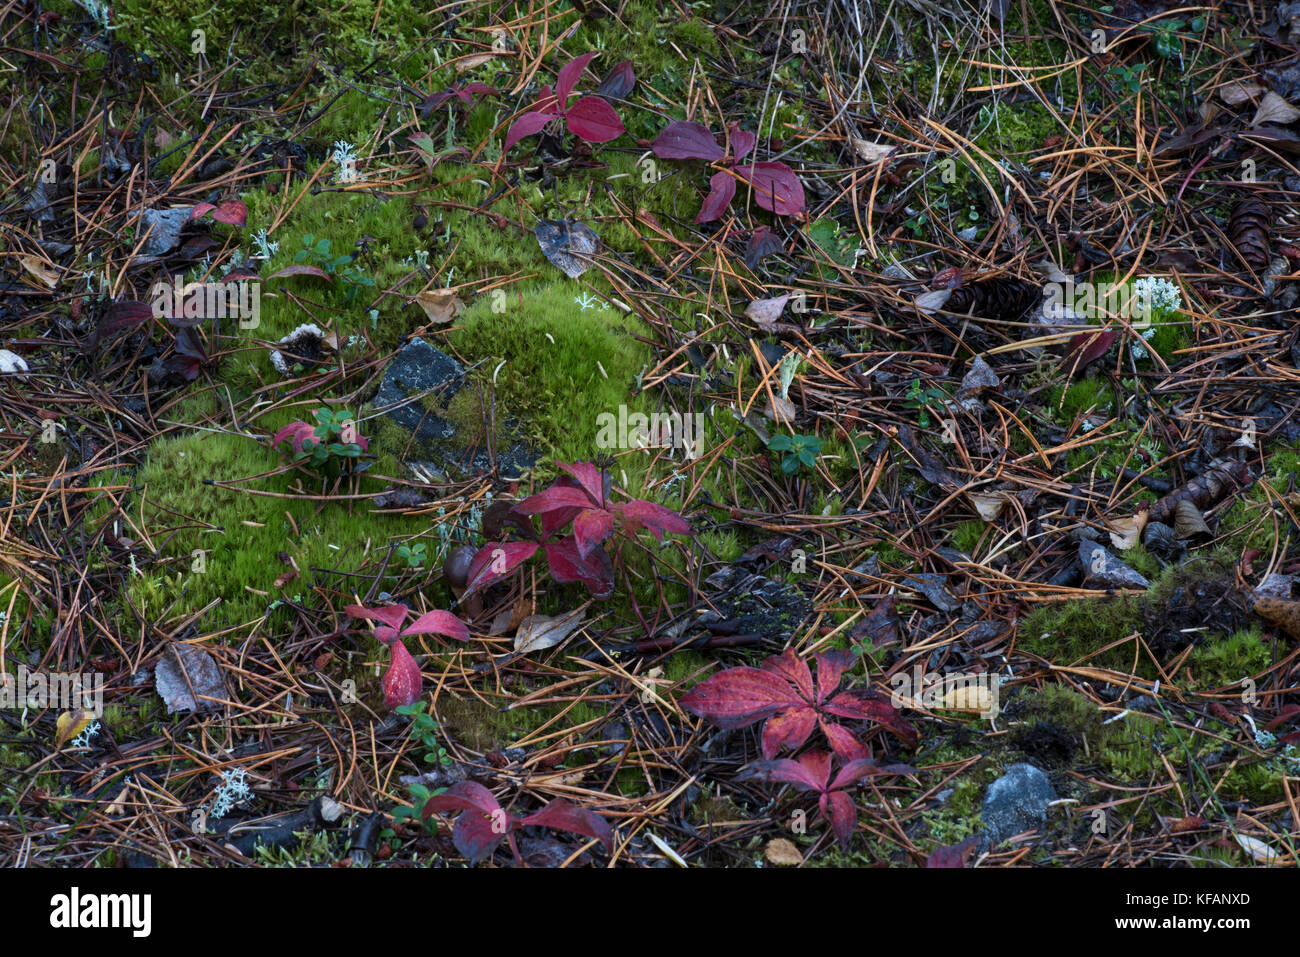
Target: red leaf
[[831, 666], [568, 78], [1091, 345], [462, 796], [742, 141], [590, 479], [842, 740], [476, 88], [866, 706], [619, 83], [954, 855], [789, 729], [793, 669], [860, 768], [301, 269], [495, 561], [121, 316], [594, 120], [555, 497], [740, 696], [809, 772], [639, 513], [390, 615], [528, 124], [684, 140], [402, 680], [594, 570], [590, 528], [232, 211], [563, 816], [839, 809], [776, 187], [722, 189], [297, 433], [438, 623]]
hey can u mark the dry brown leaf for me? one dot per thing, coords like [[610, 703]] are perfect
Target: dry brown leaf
[[468, 63], [440, 305], [1280, 613], [780, 410], [1189, 522], [1125, 532], [1274, 111], [1238, 92], [765, 312], [969, 698], [1257, 849], [869, 151], [988, 504], [545, 631], [782, 852], [35, 265]]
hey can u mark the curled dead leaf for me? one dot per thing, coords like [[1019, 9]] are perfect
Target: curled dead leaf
[[765, 312], [1125, 532], [36, 266], [1274, 110], [869, 151], [537, 632], [1260, 852], [440, 305], [1189, 522], [989, 505]]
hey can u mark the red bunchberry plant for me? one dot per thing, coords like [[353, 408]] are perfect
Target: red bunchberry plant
[[781, 691], [484, 823], [463, 93], [776, 187], [812, 772], [402, 681], [580, 497], [590, 117]]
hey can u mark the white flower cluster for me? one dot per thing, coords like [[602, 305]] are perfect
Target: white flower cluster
[[231, 792]]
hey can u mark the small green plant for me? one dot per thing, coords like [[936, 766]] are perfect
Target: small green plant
[[316, 252], [924, 399], [1127, 77], [413, 555], [410, 814], [329, 445], [801, 451], [425, 730]]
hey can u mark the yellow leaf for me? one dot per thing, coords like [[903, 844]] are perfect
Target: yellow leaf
[[783, 853], [69, 725]]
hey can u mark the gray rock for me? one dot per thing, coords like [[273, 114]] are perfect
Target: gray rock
[[421, 371], [1016, 802]]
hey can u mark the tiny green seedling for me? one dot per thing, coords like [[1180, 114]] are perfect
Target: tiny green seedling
[[801, 451], [413, 555]]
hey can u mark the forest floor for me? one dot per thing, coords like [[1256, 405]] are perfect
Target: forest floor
[[562, 433]]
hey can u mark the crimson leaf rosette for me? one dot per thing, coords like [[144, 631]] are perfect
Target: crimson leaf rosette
[[782, 693], [589, 117], [402, 681], [776, 187]]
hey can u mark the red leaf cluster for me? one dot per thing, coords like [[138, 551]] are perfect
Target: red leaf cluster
[[484, 823], [775, 185], [782, 693], [465, 94], [232, 212], [581, 498], [402, 681], [590, 117]]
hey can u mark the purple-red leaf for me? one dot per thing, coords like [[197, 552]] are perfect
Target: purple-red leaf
[[297, 433], [568, 78], [232, 212], [391, 615], [639, 513], [1091, 345], [590, 479], [722, 188], [402, 680], [563, 816], [839, 809], [740, 696], [684, 140], [462, 796], [619, 83], [593, 570], [776, 187], [594, 120], [742, 141], [556, 497], [301, 269], [481, 826], [528, 124], [438, 623], [494, 561], [953, 855], [120, 317], [865, 706]]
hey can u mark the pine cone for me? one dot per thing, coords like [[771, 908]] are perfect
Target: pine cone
[[1248, 232], [998, 298]]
